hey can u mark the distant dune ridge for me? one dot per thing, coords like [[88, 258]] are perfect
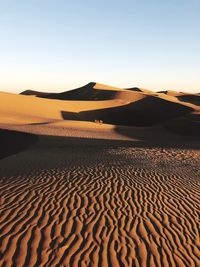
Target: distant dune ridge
[[97, 102], [100, 176]]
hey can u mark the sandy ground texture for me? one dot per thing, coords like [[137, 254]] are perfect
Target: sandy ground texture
[[79, 202], [100, 176]]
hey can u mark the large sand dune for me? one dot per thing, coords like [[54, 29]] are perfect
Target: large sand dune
[[94, 102], [99, 176]]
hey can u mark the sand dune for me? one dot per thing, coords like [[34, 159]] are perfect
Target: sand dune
[[24, 109], [140, 90], [87, 92], [99, 176], [91, 91], [143, 112], [94, 102], [94, 91], [185, 97]]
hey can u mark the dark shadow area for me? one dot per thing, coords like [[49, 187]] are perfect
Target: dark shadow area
[[38, 123], [12, 142], [74, 116], [147, 138], [35, 93], [85, 93], [145, 112], [189, 98], [135, 89], [193, 99], [159, 137], [184, 126], [194, 116]]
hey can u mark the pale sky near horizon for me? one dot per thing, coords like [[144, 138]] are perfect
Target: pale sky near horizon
[[55, 45]]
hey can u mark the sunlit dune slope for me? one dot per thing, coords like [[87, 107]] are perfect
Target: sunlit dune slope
[[21, 108], [141, 110], [184, 97]]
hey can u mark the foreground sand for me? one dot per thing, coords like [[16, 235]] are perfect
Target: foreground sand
[[82, 202]]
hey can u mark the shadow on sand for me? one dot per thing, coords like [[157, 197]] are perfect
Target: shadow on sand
[[12, 142], [144, 112], [159, 137]]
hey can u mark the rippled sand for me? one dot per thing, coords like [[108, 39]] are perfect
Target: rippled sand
[[86, 204]]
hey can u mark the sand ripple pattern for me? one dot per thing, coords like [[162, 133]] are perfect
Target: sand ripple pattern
[[100, 207]]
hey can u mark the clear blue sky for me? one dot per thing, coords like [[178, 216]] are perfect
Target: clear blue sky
[[54, 45]]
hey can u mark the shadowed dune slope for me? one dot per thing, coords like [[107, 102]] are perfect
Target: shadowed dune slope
[[187, 125], [145, 112], [93, 91], [194, 99], [90, 91], [12, 142], [136, 89], [184, 97]]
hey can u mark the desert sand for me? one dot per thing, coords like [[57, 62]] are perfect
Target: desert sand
[[100, 176]]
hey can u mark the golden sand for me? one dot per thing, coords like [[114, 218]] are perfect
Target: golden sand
[[82, 192]]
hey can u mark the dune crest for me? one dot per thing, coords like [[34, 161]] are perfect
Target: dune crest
[[97, 102]]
